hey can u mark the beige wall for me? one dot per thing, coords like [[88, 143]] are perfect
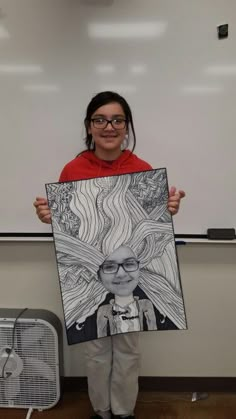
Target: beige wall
[[28, 278]]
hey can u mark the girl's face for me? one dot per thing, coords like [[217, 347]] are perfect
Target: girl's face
[[108, 138], [120, 272]]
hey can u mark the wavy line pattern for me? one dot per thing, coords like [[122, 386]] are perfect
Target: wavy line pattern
[[117, 211], [92, 218]]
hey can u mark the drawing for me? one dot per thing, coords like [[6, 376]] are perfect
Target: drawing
[[116, 255]]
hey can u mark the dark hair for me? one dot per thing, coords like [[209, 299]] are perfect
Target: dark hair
[[102, 99]]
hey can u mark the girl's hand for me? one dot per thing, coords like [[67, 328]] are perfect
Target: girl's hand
[[174, 200], [42, 210]]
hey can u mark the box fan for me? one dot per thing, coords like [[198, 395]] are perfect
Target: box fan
[[30, 359]]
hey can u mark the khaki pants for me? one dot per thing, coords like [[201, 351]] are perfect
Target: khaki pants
[[113, 369]]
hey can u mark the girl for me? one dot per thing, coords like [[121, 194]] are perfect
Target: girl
[[112, 362]]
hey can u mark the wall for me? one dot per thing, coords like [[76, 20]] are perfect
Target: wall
[[28, 278]]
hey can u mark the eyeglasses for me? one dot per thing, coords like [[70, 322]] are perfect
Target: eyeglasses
[[129, 265], [117, 123]]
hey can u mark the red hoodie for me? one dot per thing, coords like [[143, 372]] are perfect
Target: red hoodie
[[87, 166]]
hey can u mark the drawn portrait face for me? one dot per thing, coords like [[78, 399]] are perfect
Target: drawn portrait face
[[119, 273]]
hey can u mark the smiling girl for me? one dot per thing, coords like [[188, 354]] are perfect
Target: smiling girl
[[112, 362]]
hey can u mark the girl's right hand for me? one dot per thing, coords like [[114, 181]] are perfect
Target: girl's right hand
[[42, 210]]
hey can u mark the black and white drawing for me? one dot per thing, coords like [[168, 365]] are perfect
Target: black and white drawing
[[116, 255]]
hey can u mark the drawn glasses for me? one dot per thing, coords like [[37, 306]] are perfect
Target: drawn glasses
[[130, 265]]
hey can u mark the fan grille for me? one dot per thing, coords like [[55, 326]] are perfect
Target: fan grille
[[37, 384]]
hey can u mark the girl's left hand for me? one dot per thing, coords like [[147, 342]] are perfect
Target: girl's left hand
[[174, 200]]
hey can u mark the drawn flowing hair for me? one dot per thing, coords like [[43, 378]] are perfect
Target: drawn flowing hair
[[110, 212]]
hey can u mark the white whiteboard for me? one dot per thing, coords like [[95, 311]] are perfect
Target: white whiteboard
[[162, 55]]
